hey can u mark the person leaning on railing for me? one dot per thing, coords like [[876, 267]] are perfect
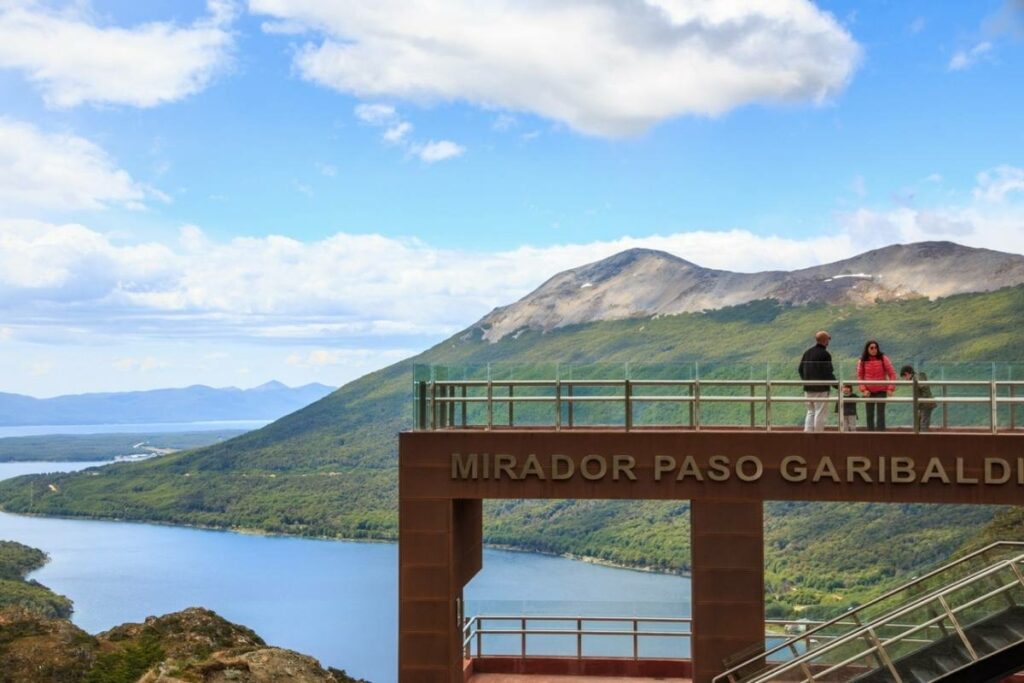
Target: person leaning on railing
[[816, 367], [925, 399]]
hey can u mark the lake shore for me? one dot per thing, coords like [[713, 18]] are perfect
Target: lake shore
[[245, 531]]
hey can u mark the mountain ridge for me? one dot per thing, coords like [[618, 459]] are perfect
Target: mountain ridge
[[644, 282], [195, 403]]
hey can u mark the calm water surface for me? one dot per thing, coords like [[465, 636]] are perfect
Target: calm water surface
[[139, 428], [334, 600]]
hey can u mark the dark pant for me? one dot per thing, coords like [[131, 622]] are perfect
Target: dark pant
[[876, 411], [924, 417]]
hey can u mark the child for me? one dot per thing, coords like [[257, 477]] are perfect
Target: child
[[849, 409]]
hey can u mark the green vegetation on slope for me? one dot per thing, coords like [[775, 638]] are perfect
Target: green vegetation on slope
[[16, 562], [129, 663], [194, 645], [329, 469], [85, 447]]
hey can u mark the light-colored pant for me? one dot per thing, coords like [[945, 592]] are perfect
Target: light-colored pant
[[849, 423], [816, 411]]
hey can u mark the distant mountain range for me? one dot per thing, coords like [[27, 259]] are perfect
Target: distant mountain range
[[330, 468], [641, 283], [189, 404]]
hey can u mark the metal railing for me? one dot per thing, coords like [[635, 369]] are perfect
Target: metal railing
[[474, 631], [475, 404], [898, 604], [521, 627]]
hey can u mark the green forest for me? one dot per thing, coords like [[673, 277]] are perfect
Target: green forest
[[16, 562], [330, 469], [85, 447]]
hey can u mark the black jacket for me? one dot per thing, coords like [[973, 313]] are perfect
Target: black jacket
[[816, 364]]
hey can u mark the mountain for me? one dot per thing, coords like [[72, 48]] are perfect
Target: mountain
[[641, 283], [190, 404], [329, 469]]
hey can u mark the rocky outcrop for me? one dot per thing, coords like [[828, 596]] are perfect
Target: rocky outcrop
[[181, 635], [643, 283], [39, 648], [265, 665], [192, 646]]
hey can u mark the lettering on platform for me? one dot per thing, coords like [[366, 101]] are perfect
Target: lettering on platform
[[796, 469]]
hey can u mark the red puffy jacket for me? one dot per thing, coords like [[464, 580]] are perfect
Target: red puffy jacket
[[871, 372]]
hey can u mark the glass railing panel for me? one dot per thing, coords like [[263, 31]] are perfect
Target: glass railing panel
[[909, 632], [608, 645], [837, 668], [985, 623], [814, 639], [494, 644], [733, 394], [985, 606], [665, 647], [725, 388]]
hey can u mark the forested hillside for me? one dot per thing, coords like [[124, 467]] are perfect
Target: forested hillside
[[329, 469], [16, 562]]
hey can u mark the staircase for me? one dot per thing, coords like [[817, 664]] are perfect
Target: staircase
[[963, 622]]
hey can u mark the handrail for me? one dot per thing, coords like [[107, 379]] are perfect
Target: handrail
[[860, 633], [474, 630], [445, 396], [860, 609], [470, 633]]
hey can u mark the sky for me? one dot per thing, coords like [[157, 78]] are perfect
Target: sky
[[225, 192]]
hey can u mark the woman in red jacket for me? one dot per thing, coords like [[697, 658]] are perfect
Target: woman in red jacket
[[873, 369]]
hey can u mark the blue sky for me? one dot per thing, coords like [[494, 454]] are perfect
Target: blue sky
[[230, 192]]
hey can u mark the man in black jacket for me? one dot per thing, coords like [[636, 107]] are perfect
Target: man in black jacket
[[816, 366]]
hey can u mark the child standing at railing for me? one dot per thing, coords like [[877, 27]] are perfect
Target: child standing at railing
[[849, 409]]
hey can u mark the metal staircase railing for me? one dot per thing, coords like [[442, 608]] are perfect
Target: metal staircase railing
[[883, 623], [946, 615]]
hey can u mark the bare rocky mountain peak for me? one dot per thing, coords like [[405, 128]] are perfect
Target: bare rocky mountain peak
[[644, 282]]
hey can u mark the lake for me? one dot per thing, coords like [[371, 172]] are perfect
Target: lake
[[334, 600], [138, 428]]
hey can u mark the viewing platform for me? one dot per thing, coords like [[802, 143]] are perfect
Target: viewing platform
[[727, 439], [964, 397]]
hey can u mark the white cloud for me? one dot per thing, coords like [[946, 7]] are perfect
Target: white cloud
[[71, 263], [965, 59], [319, 358], [375, 114], [6, 334], [71, 284], [130, 364], [432, 151], [995, 184], [918, 25], [328, 170], [60, 171], [72, 59], [606, 67], [504, 123], [397, 132]]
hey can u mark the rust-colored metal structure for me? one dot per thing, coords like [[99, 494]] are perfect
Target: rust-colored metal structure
[[444, 476]]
